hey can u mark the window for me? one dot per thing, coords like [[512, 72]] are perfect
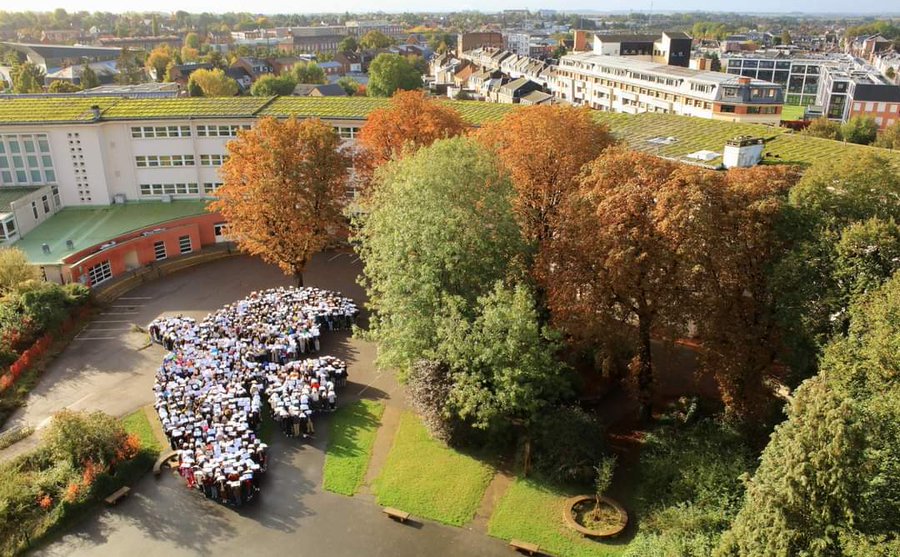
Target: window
[[159, 250], [181, 188], [100, 272], [55, 191], [212, 160], [220, 230], [211, 187], [34, 209], [153, 161], [347, 132], [727, 108], [223, 130], [25, 160], [184, 244], [46, 201], [8, 229], [151, 132]]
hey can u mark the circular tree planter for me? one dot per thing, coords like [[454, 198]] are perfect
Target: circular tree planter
[[576, 508]]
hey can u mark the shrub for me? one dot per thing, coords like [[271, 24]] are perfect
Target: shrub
[[429, 384], [566, 444], [82, 438]]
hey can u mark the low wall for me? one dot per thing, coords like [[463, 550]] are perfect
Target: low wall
[[111, 290]]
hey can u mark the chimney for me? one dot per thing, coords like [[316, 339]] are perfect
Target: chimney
[[95, 112]]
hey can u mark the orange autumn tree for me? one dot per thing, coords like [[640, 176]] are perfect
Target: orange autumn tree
[[409, 122], [544, 148], [283, 190]]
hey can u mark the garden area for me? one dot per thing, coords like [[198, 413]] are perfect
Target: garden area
[[36, 320], [351, 436], [84, 458]]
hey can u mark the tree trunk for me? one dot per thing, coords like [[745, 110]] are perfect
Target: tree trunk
[[645, 370], [299, 278]]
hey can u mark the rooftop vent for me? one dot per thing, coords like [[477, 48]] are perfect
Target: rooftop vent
[[70, 244], [45, 247]]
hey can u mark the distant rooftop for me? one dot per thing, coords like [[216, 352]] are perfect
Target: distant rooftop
[[90, 226], [630, 63]]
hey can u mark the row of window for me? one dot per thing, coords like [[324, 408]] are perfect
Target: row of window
[[153, 161], [151, 132], [220, 130], [102, 272], [213, 160], [180, 188]]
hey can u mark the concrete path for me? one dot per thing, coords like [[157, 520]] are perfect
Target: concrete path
[[106, 370], [384, 440], [492, 495]]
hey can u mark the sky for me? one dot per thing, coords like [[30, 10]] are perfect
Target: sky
[[333, 6]]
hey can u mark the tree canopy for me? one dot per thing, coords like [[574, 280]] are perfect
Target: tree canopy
[[212, 83], [374, 40], [859, 129], [282, 192], [159, 59], [309, 72], [27, 78], [437, 226], [391, 72], [410, 121], [271, 85]]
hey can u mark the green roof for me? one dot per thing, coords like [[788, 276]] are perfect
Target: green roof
[[180, 108], [691, 134], [50, 109], [90, 226], [9, 194]]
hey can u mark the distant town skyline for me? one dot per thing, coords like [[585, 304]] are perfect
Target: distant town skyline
[[862, 7]]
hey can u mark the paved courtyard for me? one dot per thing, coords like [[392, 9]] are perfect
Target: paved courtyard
[[108, 368]]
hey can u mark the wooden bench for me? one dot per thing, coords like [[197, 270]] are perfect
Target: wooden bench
[[163, 459], [396, 514], [118, 495], [525, 547]]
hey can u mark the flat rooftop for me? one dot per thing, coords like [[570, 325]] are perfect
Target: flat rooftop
[[91, 226], [9, 194]]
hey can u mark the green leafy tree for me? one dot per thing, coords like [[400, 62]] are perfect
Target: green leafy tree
[[348, 44], [159, 59], [192, 40], [89, 78], [438, 226], [79, 437], [15, 269], [60, 86], [131, 71], [859, 129], [271, 85], [502, 363], [309, 72], [390, 72], [889, 138], [212, 83], [349, 85], [27, 78], [823, 128], [375, 39]]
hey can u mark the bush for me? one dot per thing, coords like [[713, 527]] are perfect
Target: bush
[[82, 438], [566, 444], [689, 486], [429, 384]]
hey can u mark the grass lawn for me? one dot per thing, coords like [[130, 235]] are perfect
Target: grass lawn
[[138, 424], [532, 511], [351, 435], [792, 112], [424, 477]]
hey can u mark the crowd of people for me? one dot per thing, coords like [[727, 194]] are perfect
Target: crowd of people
[[211, 385]]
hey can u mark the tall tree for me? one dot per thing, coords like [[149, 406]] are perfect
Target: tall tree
[[890, 137], [438, 225], [859, 129], [89, 78], [309, 72], [391, 72], [409, 122], [27, 78], [348, 44], [158, 59], [15, 269], [375, 39], [271, 85], [129, 67], [611, 264], [283, 190], [544, 149], [192, 40], [213, 83], [349, 85]]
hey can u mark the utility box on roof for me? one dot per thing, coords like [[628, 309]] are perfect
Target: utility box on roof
[[743, 152]]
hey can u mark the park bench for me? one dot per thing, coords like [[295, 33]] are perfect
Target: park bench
[[525, 547], [396, 514], [163, 459], [117, 495]]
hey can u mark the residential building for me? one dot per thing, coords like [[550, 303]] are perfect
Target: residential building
[[625, 84], [846, 93], [867, 47], [255, 67], [671, 48], [513, 91], [314, 39], [61, 36], [311, 90], [350, 62], [480, 39]]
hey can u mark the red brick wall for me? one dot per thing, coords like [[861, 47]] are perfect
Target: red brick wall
[[885, 113]]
